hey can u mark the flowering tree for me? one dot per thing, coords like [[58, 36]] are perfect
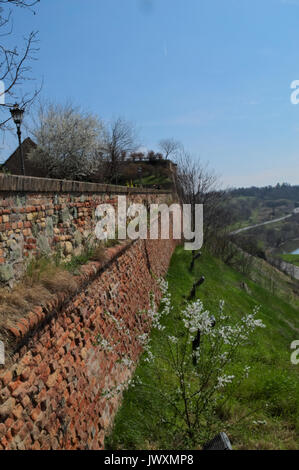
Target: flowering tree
[[68, 142], [198, 385], [192, 390]]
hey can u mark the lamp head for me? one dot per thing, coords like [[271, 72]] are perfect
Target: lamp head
[[17, 115]]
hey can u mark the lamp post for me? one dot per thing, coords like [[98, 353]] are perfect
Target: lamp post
[[139, 170], [17, 115]]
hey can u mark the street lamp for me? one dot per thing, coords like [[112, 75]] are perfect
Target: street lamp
[[139, 171], [17, 115]]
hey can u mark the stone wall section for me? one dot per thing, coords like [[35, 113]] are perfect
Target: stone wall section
[[52, 396], [40, 216], [52, 388]]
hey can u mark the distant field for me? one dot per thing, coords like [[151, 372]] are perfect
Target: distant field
[[252, 210], [293, 259]]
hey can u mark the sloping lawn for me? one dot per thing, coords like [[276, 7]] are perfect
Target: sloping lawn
[[264, 413], [293, 259]]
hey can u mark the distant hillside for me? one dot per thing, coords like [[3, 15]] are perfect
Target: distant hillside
[[280, 191], [250, 206]]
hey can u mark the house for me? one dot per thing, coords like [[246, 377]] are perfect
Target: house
[[13, 163]]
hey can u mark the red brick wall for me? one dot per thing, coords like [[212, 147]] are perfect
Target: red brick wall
[[42, 216], [51, 397]]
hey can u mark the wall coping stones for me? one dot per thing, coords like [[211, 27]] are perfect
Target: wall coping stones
[[22, 184]]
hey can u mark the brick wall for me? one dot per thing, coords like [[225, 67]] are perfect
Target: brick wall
[[42, 216], [51, 389], [51, 397]]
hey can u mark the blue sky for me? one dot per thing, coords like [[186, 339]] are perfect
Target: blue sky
[[214, 74]]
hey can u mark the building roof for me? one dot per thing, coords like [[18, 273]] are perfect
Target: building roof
[[13, 164]]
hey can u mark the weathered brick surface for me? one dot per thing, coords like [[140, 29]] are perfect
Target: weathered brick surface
[[42, 216], [52, 395]]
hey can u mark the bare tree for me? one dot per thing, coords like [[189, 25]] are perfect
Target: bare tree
[[119, 140], [170, 147], [196, 184], [15, 62], [68, 142]]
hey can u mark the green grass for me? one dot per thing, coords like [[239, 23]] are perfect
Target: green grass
[[272, 388], [289, 258], [153, 179]]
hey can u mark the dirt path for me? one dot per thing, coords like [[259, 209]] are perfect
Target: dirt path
[[259, 225]]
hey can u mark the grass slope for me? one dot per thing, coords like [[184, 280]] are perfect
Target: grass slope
[[272, 388], [293, 259]]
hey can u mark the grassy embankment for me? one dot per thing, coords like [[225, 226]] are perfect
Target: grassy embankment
[[272, 388], [153, 180], [289, 258], [44, 277]]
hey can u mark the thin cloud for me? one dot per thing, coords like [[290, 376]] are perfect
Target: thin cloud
[[146, 6], [290, 2], [192, 119]]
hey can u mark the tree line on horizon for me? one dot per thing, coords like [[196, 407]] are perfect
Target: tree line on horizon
[[279, 191]]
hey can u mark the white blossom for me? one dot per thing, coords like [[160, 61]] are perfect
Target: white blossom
[[224, 380], [173, 339]]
